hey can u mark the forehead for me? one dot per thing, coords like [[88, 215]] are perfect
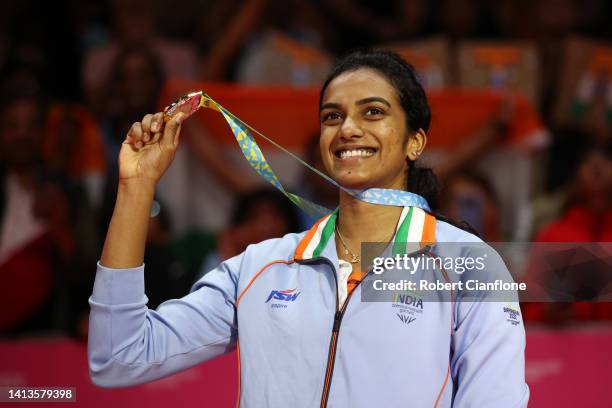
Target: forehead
[[358, 84]]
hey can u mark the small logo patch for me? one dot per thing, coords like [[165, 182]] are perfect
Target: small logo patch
[[408, 306], [512, 315], [287, 295], [405, 318]]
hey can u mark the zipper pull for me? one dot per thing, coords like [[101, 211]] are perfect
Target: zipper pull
[[337, 319]]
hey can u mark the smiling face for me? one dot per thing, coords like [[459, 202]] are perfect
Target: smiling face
[[364, 136]]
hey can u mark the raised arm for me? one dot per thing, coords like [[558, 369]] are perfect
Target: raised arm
[[129, 343], [146, 153]]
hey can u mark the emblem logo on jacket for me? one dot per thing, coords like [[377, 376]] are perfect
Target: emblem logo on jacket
[[512, 315], [405, 318], [408, 306], [287, 295]]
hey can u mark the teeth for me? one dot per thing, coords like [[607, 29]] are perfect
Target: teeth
[[356, 153]]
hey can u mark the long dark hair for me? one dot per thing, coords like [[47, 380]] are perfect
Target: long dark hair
[[403, 77]]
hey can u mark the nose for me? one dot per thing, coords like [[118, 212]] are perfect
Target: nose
[[350, 129]]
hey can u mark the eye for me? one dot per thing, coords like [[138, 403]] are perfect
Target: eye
[[332, 116], [374, 111]]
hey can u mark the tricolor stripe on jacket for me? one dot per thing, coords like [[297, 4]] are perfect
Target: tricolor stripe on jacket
[[415, 229]]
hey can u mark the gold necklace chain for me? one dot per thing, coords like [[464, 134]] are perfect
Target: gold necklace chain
[[354, 257]]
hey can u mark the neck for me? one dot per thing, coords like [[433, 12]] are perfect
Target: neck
[[359, 221]]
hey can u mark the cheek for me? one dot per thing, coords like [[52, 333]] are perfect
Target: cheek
[[326, 134], [394, 146], [325, 141]]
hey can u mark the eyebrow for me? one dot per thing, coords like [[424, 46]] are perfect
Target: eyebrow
[[333, 105], [373, 99]]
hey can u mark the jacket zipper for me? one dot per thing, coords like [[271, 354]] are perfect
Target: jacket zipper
[[331, 354], [333, 343]]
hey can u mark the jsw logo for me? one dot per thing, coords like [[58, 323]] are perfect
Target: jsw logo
[[286, 295]]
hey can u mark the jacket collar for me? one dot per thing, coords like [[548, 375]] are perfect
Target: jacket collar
[[415, 229]]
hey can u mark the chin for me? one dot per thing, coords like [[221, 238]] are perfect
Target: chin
[[354, 181]]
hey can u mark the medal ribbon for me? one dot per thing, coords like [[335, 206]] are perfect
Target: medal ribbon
[[190, 103]]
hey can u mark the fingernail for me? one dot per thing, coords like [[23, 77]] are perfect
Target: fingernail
[[155, 127], [146, 137]]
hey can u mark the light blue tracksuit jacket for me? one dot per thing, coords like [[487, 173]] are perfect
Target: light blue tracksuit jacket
[[298, 346]]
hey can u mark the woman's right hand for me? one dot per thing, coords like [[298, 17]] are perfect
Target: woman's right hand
[[149, 147]]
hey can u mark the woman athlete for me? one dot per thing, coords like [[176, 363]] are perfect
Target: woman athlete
[[292, 306]]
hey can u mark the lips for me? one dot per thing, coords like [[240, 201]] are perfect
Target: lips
[[346, 152]]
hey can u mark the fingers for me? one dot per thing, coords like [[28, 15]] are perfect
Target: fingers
[[135, 135], [157, 122], [151, 125], [146, 127], [146, 131], [172, 131]]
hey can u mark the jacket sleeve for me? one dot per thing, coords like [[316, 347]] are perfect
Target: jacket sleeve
[[488, 346], [130, 344]]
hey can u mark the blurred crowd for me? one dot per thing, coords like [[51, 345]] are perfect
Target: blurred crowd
[[76, 74]]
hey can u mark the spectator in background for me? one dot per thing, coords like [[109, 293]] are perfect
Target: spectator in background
[[71, 138], [24, 252], [587, 216], [72, 142], [135, 23], [42, 251], [468, 196]]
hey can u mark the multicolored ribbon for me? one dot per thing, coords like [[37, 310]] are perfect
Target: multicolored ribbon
[[190, 103]]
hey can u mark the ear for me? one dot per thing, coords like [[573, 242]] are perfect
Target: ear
[[416, 144]]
